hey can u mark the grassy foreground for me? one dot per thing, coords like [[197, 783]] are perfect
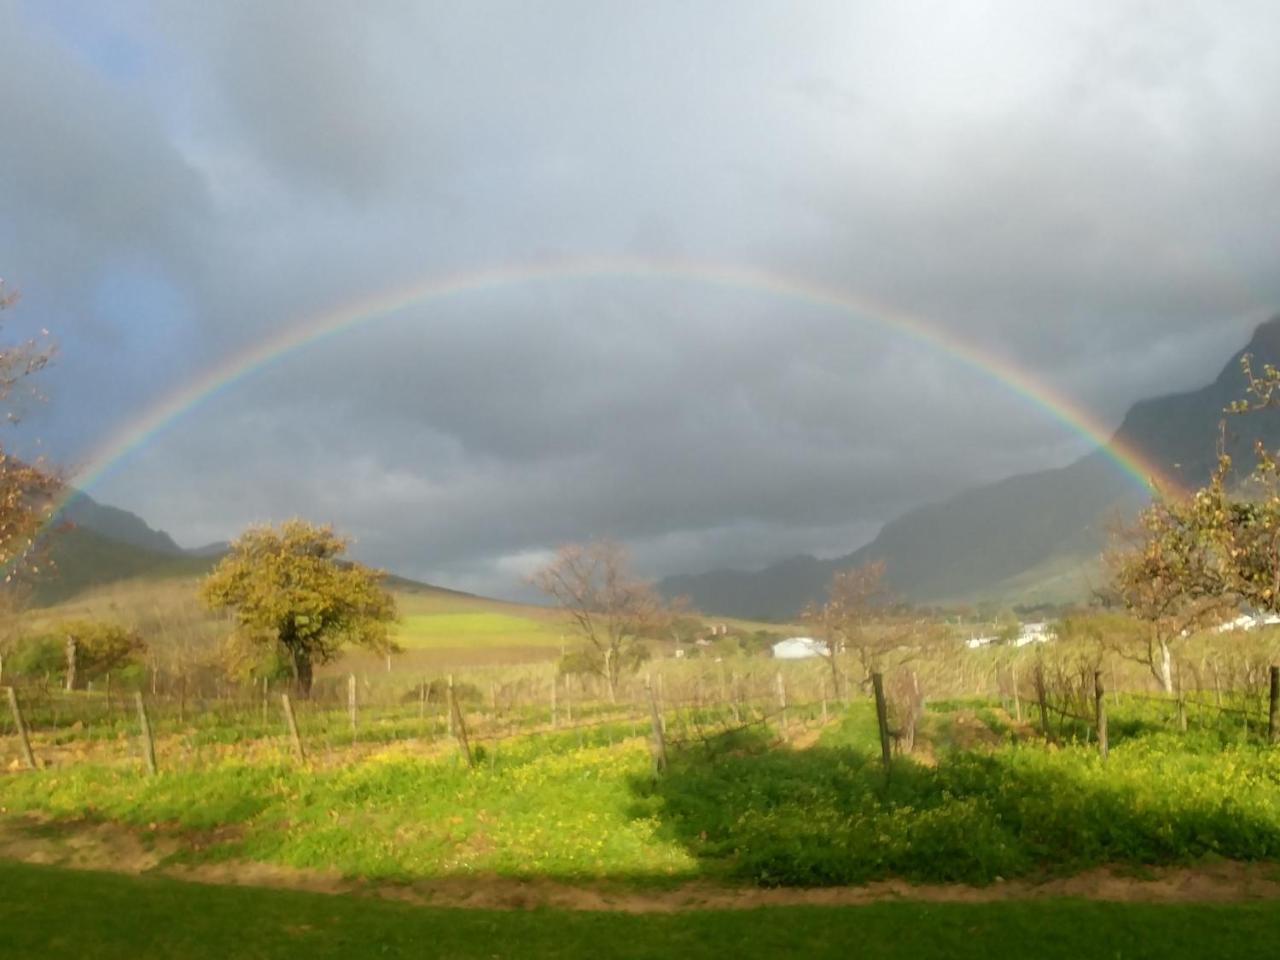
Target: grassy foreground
[[582, 807], [50, 913]]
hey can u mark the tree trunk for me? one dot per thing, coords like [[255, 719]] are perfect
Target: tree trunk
[[300, 662], [611, 673], [1166, 667]]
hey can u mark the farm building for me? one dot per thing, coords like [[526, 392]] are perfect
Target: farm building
[[799, 648]]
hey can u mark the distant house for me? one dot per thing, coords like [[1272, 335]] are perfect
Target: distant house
[[799, 648], [1248, 622], [1034, 633], [1027, 633]]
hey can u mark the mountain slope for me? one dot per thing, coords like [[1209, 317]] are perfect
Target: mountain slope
[[83, 559], [1029, 535], [115, 524]]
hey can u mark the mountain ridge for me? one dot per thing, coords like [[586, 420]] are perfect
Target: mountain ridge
[[981, 543]]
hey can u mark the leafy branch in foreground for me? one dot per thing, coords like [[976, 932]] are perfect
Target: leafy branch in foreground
[[27, 488]]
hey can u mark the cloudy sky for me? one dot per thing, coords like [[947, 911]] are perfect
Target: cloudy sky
[[1088, 192]]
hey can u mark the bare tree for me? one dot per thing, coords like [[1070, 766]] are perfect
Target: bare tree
[[862, 617], [611, 610], [1166, 573], [855, 599]]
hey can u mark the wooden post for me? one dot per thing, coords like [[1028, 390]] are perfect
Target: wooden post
[[71, 663], [555, 715], [458, 726], [20, 726], [882, 720], [148, 744], [351, 702], [448, 706], [1017, 697], [735, 697], [1100, 713], [108, 683], [782, 705], [1043, 699], [265, 695], [1273, 714], [292, 722], [824, 706], [1182, 700], [422, 700], [657, 740]]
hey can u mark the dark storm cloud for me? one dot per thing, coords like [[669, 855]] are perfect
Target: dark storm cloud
[[1087, 191]]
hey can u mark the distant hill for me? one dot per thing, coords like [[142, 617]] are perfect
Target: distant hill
[[99, 545], [1030, 538], [116, 524], [84, 559]]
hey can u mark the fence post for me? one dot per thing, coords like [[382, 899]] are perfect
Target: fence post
[[292, 721], [1182, 700], [657, 741], [21, 727], [148, 744], [882, 721], [782, 704], [351, 702], [1273, 714], [458, 726], [71, 663], [735, 698], [1100, 713], [422, 700], [555, 714], [1043, 699], [1017, 697]]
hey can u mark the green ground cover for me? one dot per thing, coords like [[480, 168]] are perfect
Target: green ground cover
[[583, 805], [51, 913], [474, 629]]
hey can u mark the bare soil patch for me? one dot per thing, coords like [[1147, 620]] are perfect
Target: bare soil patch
[[104, 846]]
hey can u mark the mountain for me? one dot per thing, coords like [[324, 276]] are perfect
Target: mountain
[[1031, 538], [83, 558], [82, 511], [94, 545]]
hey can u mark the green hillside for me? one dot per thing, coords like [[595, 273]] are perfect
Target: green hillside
[[83, 559]]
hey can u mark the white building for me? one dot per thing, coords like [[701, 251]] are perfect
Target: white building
[[1034, 633], [799, 648], [1247, 622]]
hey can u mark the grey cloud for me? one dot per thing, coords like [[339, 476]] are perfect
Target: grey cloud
[[1087, 191]]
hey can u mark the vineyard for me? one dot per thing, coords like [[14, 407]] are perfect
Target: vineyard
[[730, 774]]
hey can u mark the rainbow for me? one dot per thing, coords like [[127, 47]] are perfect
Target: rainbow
[[342, 319]]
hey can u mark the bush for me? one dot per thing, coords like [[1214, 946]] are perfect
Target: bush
[[101, 648]]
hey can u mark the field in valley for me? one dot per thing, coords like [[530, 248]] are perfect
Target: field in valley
[[992, 821]]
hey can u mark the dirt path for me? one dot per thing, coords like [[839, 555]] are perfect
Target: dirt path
[[110, 847]]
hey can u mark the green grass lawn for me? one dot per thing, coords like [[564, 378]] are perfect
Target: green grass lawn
[[50, 913]]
